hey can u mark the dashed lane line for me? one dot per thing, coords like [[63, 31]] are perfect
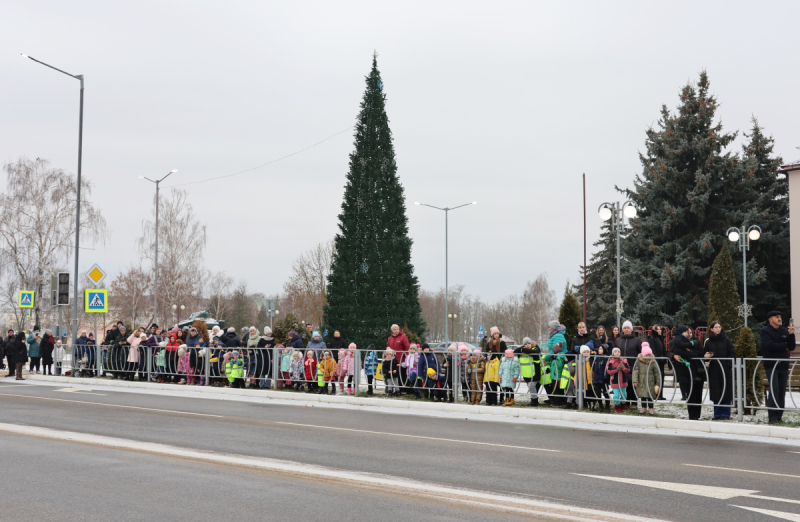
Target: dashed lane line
[[111, 405], [419, 437]]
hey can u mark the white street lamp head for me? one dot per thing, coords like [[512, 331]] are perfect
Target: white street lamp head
[[174, 307], [416, 202], [141, 177], [605, 213], [733, 236], [23, 55], [630, 211], [474, 202], [277, 312], [173, 170], [755, 234]]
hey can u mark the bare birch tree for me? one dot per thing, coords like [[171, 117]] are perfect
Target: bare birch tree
[[306, 289], [181, 247], [37, 224]]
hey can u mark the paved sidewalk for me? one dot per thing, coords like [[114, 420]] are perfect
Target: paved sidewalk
[[540, 416]]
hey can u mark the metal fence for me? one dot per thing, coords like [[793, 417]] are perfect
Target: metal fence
[[731, 385]]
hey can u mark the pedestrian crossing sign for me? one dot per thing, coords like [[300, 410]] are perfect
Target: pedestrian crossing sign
[[95, 301], [26, 298]]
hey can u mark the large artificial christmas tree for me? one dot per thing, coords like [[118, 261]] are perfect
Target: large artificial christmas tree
[[570, 314], [723, 299], [682, 194], [761, 197], [372, 283], [601, 281]]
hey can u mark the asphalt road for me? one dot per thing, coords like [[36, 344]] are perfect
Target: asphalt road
[[484, 456]]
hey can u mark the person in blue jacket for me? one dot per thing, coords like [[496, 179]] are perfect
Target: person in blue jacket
[[428, 360], [776, 343], [370, 366]]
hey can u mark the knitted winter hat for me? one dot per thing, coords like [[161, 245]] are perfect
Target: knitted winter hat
[[291, 333], [553, 324], [616, 351], [494, 330], [586, 349], [627, 324], [680, 329], [232, 330], [267, 330], [352, 346], [509, 352], [476, 352], [425, 345], [527, 340], [646, 350]]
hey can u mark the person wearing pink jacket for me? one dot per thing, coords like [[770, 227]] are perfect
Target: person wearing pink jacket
[[411, 363], [346, 368]]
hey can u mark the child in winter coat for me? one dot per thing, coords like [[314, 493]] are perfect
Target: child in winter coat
[[296, 370], [370, 366], [509, 373], [599, 378], [476, 368], [556, 361], [347, 367], [286, 362], [183, 363], [326, 370], [428, 371], [410, 364], [646, 379], [492, 381], [310, 371], [530, 364], [617, 370], [390, 373], [161, 363]]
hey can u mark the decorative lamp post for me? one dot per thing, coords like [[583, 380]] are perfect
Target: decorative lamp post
[[753, 233], [617, 214]]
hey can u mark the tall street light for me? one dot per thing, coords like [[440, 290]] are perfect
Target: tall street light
[[744, 237], [78, 198], [446, 212], [155, 283], [617, 214]]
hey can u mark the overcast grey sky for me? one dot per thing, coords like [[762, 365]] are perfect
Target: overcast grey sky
[[506, 103]]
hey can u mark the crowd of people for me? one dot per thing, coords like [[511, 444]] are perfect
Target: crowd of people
[[619, 368]]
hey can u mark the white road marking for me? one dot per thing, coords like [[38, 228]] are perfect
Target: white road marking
[[340, 478], [418, 437], [777, 514], [112, 405], [694, 489], [83, 391], [744, 470]]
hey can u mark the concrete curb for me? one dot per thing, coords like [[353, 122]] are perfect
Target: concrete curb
[[533, 413]]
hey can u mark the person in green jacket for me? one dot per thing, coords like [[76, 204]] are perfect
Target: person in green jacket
[[555, 358], [234, 370]]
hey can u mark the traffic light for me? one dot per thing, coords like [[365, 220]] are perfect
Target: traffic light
[[63, 288]]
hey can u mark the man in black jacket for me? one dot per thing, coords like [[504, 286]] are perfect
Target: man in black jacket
[[776, 343], [688, 369]]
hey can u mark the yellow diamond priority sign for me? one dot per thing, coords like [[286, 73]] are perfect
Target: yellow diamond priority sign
[[96, 274]]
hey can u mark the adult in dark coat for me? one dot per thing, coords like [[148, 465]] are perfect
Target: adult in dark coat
[[689, 369], [719, 351], [20, 350], [265, 345], [776, 343], [233, 339], [46, 351], [630, 346], [582, 338], [656, 341], [10, 354], [337, 343]]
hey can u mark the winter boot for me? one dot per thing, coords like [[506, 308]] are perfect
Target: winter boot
[[535, 402], [510, 402]]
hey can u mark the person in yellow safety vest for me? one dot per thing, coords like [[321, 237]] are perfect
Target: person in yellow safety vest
[[234, 370], [530, 363]]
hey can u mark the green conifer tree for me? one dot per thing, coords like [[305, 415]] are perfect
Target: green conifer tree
[[570, 314], [372, 283], [682, 214], [723, 298], [746, 348], [761, 197]]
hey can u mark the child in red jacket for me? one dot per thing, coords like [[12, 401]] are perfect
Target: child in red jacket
[[310, 371]]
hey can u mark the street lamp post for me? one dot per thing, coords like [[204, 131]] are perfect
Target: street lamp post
[[617, 214], [744, 237], [272, 313], [446, 213], [452, 321], [175, 310], [155, 278], [78, 199]]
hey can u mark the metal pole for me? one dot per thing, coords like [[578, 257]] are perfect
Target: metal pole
[[744, 273], [580, 379], [584, 247], [617, 212], [740, 388], [446, 283], [155, 286], [77, 222]]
